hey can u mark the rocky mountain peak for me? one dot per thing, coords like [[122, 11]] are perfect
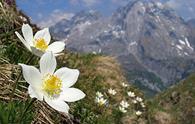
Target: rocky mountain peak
[[84, 16], [64, 27], [152, 43]]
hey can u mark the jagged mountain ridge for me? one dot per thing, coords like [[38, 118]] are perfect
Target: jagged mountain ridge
[[65, 26], [152, 43]]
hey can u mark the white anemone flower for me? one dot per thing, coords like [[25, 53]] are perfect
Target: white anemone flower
[[124, 104], [122, 109], [112, 91], [52, 87], [131, 94], [138, 113], [99, 94], [39, 43]]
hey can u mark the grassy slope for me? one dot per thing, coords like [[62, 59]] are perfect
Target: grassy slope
[[177, 104]]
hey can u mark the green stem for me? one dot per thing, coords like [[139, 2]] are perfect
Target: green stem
[[15, 85], [26, 109], [17, 79]]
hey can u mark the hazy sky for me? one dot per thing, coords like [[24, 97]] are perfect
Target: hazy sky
[[48, 12]]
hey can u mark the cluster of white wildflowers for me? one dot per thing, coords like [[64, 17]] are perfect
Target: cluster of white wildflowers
[[139, 100], [100, 100], [47, 84], [136, 100], [123, 106]]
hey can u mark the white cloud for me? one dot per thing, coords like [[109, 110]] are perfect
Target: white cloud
[[54, 17]]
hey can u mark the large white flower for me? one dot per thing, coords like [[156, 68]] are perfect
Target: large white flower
[[52, 87], [39, 43]]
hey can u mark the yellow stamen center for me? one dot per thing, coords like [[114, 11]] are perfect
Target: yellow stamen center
[[52, 85], [41, 44], [101, 103]]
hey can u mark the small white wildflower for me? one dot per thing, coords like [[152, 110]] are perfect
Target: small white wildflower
[[100, 101], [111, 91], [122, 109], [134, 101], [138, 113], [124, 84], [99, 94], [124, 104], [23, 18], [139, 99], [94, 52], [143, 105], [131, 94]]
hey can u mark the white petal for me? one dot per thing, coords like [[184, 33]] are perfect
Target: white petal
[[27, 45], [27, 33], [56, 47], [35, 93], [68, 76], [44, 33], [57, 104], [36, 51], [31, 75], [57, 54], [71, 95], [47, 63]]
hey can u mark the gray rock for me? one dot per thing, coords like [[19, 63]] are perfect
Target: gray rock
[[153, 45]]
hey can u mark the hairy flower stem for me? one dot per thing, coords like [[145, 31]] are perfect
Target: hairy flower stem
[[26, 109], [18, 77]]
